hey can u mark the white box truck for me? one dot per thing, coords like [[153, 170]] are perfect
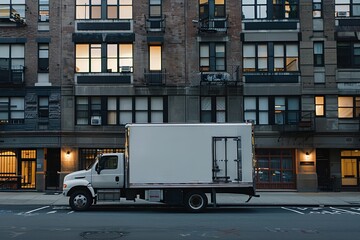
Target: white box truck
[[175, 164]]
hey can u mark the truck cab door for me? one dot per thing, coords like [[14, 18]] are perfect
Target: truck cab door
[[108, 172]]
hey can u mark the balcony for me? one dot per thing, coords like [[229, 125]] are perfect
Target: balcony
[[155, 78], [296, 122], [13, 76], [212, 25], [155, 24]]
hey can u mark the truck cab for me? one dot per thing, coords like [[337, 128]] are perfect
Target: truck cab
[[106, 174]]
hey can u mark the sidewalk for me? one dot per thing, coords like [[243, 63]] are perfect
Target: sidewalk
[[265, 199]]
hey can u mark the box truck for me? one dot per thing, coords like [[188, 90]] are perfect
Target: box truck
[[174, 164]]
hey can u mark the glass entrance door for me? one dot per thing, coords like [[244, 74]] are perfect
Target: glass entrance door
[[28, 168], [349, 171]]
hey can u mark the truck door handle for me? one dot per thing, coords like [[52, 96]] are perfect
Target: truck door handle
[[117, 178]]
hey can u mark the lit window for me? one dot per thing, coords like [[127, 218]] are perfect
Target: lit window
[[319, 106]]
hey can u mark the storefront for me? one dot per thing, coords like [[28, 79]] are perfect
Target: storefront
[[29, 169]]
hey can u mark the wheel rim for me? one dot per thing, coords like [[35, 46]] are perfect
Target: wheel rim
[[196, 201], [80, 201]]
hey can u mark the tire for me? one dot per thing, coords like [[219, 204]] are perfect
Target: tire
[[80, 200], [195, 201]]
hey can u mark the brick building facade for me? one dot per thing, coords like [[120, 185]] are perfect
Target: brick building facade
[[73, 72]]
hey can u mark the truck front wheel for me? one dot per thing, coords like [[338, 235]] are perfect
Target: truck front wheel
[[80, 200], [195, 201]]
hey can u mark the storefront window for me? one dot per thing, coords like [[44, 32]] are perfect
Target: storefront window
[[275, 168]]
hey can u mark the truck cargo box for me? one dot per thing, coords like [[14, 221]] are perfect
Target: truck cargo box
[[172, 154]]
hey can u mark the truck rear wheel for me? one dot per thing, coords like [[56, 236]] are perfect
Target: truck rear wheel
[[80, 200], [195, 201]]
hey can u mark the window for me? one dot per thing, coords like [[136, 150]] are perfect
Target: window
[[44, 10], [120, 110], [286, 57], [272, 110], [256, 57], [82, 111], [348, 54], [155, 8], [347, 8], [320, 106], [256, 110], [317, 8], [276, 9], [284, 9], [109, 162], [92, 9], [213, 109], [43, 58], [211, 9], [12, 9], [8, 163], [12, 56], [212, 57], [155, 58], [119, 57], [318, 54], [254, 9], [275, 166], [12, 110], [348, 107], [43, 108]]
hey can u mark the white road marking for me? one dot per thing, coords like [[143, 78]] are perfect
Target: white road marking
[[292, 210], [51, 212], [343, 210], [70, 212], [37, 209]]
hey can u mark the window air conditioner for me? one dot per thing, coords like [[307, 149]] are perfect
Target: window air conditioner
[[96, 120], [125, 69], [342, 14]]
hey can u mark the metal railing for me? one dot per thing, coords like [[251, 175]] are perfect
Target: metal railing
[[155, 24]]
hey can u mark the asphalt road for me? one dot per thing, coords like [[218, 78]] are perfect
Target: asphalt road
[[107, 222]]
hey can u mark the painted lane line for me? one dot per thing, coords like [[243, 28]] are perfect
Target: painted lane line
[[37, 209], [70, 212], [343, 210], [292, 210], [51, 212]]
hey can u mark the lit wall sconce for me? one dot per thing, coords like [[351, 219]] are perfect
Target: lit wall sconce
[[307, 153], [68, 154]]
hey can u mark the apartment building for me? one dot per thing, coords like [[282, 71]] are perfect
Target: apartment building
[[74, 72]]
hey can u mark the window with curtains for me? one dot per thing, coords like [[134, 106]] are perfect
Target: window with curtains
[[348, 107], [319, 106], [255, 57], [90, 57], [98, 9]]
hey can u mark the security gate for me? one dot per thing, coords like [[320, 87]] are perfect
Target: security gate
[[227, 160]]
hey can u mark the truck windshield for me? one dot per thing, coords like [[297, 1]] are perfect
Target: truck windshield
[[92, 164]]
